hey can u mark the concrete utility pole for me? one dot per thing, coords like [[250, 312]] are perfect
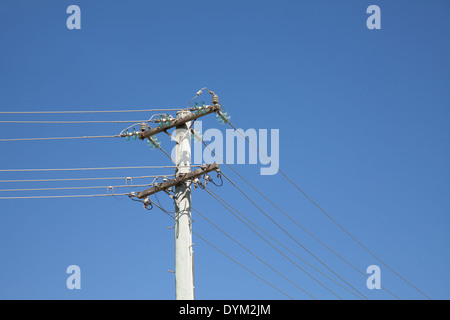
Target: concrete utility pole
[[184, 253], [184, 259]]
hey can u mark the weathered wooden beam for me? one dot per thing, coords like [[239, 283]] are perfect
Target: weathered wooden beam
[[181, 178], [177, 122]]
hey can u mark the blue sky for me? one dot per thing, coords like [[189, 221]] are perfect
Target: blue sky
[[363, 119]]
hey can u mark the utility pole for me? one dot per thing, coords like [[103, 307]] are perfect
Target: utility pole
[[184, 259], [184, 178]]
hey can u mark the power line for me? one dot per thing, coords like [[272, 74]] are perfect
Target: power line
[[312, 235], [331, 218], [256, 226], [293, 220], [83, 169], [276, 223], [83, 179], [71, 122], [67, 196], [286, 232], [207, 190], [242, 266], [86, 111], [253, 254], [168, 155], [75, 188], [60, 138]]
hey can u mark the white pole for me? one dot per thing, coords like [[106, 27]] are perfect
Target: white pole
[[184, 272]]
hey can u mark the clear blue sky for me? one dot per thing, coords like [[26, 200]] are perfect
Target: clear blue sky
[[364, 130]]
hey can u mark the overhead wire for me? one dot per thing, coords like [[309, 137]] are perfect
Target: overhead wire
[[292, 237], [83, 179], [198, 94], [87, 111], [70, 121], [59, 138], [329, 216], [84, 169], [274, 221], [66, 196], [254, 254], [161, 207], [284, 255], [135, 122], [298, 224], [220, 199], [242, 266], [173, 161], [221, 181], [74, 188], [299, 243]]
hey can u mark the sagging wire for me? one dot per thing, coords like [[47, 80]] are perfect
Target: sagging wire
[[147, 204], [161, 207], [219, 175], [146, 201]]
